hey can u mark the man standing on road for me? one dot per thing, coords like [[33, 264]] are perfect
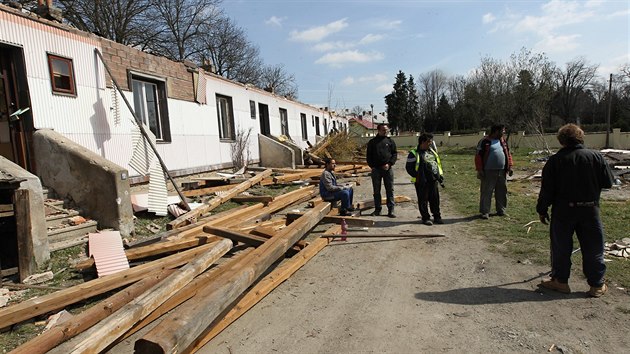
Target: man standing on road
[[425, 168], [330, 191], [572, 181], [493, 163], [381, 156]]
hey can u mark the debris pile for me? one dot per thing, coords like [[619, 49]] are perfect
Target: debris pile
[[619, 248]]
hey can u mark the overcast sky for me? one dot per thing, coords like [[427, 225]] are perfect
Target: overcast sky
[[357, 47]]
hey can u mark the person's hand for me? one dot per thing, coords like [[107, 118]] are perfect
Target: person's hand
[[510, 172], [441, 179], [544, 218], [386, 167], [480, 174]]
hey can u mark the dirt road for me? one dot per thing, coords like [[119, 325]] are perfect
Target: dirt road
[[446, 294]]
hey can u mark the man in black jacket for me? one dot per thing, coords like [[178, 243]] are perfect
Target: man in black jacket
[[381, 156], [572, 181]]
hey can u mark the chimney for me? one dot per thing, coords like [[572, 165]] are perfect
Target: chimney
[[46, 10]]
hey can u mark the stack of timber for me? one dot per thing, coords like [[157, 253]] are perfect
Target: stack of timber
[[196, 280]]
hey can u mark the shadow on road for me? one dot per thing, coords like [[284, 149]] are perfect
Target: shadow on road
[[494, 295]]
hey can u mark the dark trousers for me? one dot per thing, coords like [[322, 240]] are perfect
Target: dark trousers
[[387, 177], [587, 225], [428, 193], [344, 197]]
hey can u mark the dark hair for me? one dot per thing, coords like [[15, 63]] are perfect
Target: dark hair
[[327, 160], [381, 125], [425, 137], [496, 128], [570, 135]]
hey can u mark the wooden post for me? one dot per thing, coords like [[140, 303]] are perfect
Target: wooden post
[[180, 328], [26, 259]]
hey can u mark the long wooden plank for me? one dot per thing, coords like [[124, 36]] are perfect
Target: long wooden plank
[[370, 235], [86, 319], [367, 204], [189, 291], [265, 286], [26, 258], [215, 202], [59, 299], [206, 190], [155, 249], [115, 325], [252, 198], [181, 327]]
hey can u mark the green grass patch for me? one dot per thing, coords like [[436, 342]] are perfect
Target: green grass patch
[[508, 235]]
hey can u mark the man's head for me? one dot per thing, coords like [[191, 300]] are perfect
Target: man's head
[[570, 135], [382, 129], [425, 140], [330, 163], [497, 131]]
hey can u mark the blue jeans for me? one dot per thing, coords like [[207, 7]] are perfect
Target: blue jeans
[[387, 177], [344, 197], [587, 225]]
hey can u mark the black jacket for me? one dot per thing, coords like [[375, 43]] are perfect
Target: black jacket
[[573, 174], [381, 150]]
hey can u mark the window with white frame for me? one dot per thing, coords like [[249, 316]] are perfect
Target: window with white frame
[[150, 105], [225, 114]]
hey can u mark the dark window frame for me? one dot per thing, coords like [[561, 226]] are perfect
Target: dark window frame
[[304, 126], [71, 89], [252, 109]]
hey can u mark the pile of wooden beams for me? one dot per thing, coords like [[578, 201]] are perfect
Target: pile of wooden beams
[[197, 279]]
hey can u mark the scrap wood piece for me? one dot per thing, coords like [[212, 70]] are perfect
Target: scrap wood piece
[[206, 191], [351, 221], [215, 202], [367, 204], [106, 248], [321, 147], [268, 232], [61, 332], [115, 325], [265, 286], [180, 328], [155, 249], [51, 302]]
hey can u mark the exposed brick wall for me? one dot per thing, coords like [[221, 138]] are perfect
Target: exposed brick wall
[[121, 58]]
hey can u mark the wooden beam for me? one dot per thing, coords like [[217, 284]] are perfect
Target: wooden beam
[[155, 249], [62, 332], [264, 287], [115, 325], [215, 202], [371, 235], [367, 204], [181, 327], [238, 236], [351, 221], [206, 190], [26, 258], [43, 304]]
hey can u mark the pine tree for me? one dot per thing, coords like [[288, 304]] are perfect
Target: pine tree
[[396, 103], [413, 117]]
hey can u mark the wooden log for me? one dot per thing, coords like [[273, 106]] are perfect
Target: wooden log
[[215, 202], [26, 258], [238, 236], [155, 249], [274, 223], [189, 291], [115, 325], [351, 221], [367, 204], [264, 287], [62, 332], [181, 327], [43, 304]]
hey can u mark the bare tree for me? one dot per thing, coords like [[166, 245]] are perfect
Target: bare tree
[[123, 21], [239, 149], [181, 24], [431, 87], [571, 82], [276, 79], [357, 110], [227, 48]]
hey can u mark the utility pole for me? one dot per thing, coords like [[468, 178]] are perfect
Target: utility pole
[[372, 114], [608, 111]]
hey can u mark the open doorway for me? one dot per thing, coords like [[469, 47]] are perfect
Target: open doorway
[[263, 113], [16, 120]]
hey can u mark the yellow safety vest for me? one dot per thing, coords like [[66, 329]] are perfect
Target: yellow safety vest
[[437, 160]]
